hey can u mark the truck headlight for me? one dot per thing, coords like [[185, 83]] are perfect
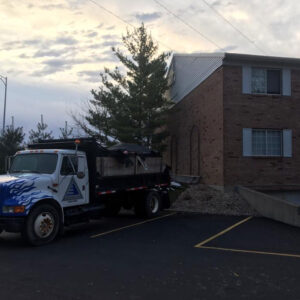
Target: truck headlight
[[13, 209]]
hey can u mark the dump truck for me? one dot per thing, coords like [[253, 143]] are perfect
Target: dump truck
[[57, 183]]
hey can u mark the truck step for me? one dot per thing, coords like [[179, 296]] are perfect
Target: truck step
[[81, 210]]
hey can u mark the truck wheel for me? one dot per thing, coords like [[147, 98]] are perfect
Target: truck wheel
[[152, 204], [150, 207], [42, 225]]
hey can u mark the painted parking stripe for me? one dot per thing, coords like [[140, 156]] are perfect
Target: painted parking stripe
[[132, 225], [251, 251], [222, 232]]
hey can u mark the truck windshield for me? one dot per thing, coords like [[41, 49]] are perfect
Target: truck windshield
[[34, 163]]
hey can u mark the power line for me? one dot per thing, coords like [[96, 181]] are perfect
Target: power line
[[189, 25], [123, 20], [233, 26], [113, 14]]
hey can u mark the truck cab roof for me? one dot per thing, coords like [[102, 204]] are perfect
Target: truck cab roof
[[48, 151]]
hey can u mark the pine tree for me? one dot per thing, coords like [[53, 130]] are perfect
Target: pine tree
[[65, 132], [10, 142], [40, 133], [131, 107]]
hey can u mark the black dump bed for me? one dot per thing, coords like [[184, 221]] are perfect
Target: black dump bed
[[118, 168]]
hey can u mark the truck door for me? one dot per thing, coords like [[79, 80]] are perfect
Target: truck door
[[73, 189]]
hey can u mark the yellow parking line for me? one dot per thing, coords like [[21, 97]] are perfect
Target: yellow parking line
[[222, 232], [132, 225], [251, 251]]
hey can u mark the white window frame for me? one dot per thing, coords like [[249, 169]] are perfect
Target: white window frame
[[286, 143], [266, 81], [266, 130]]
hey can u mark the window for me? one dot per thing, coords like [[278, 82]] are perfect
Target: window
[[69, 165], [34, 163], [266, 81], [266, 142]]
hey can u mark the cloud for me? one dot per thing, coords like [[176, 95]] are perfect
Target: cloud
[[32, 42], [110, 43], [92, 34], [55, 65], [65, 40], [229, 48], [109, 40], [216, 3], [191, 10], [23, 55], [284, 30], [109, 36], [43, 53], [105, 58], [110, 27], [52, 6], [58, 62], [220, 3], [148, 17], [21, 44], [91, 76]]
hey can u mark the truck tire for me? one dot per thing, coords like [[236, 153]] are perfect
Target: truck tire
[[42, 225], [150, 207]]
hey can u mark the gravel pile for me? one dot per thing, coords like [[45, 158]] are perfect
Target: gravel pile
[[204, 199]]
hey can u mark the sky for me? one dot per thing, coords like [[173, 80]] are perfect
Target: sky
[[53, 51]]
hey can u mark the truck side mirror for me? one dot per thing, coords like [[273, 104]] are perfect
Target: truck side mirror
[[8, 161]]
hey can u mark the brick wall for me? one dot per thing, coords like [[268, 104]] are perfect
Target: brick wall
[[258, 111], [196, 132]]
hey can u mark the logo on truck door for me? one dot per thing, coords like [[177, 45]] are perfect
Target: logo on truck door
[[73, 192]]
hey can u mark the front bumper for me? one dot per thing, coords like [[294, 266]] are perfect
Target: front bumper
[[12, 224]]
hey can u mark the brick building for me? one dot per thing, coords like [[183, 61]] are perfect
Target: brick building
[[236, 120]]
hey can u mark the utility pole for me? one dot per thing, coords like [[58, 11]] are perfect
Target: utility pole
[[13, 122], [4, 81]]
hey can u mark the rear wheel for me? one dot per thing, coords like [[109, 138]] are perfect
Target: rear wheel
[[42, 225], [151, 205]]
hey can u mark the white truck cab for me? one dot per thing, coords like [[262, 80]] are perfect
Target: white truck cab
[[62, 175]]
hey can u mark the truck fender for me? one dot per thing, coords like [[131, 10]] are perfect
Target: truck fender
[[53, 202]]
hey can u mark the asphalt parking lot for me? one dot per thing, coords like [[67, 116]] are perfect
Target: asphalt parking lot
[[175, 256]]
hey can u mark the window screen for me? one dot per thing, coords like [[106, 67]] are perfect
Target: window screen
[[266, 142], [259, 142], [266, 81], [258, 80]]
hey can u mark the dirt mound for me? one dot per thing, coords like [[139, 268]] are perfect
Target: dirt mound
[[205, 199]]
